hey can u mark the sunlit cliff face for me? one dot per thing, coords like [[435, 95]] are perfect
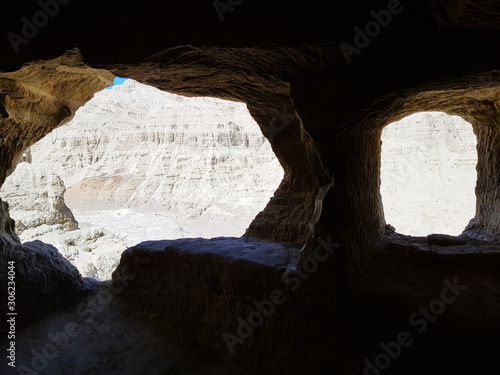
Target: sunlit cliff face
[[139, 164], [429, 174]]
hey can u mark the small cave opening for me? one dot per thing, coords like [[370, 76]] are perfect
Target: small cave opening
[[428, 174], [138, 164]]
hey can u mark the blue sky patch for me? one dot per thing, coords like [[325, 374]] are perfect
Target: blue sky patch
[[117, 81]]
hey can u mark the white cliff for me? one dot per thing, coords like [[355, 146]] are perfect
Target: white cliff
[[37, 196], [428, 174], [36, 199], [202, 161], [145, 165]]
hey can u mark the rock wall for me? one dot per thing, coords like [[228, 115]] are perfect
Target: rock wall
[[8, 234], [30, 96], [58, 283], [434, 56], [36, 200], [48, 281], [486, 223]]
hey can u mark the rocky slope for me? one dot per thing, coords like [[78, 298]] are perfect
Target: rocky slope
[[37, 196], [36, 199], [429, 174]]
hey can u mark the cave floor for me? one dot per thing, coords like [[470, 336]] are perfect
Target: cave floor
[[444, 294], [98, 336], [457, 282]]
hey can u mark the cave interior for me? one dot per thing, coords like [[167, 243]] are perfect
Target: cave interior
[[322, 79]]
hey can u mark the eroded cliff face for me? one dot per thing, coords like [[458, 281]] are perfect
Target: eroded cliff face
[[428, 174], [36, 201], [434, 56], [34, 102], [37, 198], [141, 164], [201, 162]]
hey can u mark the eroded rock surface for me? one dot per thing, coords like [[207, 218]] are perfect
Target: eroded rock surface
[[58, 282], [434, 56], [36, 199], [201, 162], [223, 278], [218, 292], [7, 227], [428, 174], [174, 166], [30, 96]]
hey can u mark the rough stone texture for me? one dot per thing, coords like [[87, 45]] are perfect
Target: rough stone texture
[[204, 289], [36, 197], [202, 162], [8, 234], [45, 281], [221, 276], [36, 200], [434, 56], [445, 240], [40, 97]]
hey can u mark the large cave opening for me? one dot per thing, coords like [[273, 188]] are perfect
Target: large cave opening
[[138, 164], [428, 174]]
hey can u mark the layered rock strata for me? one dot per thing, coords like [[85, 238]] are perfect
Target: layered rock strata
[[202, 162], [428, 174]]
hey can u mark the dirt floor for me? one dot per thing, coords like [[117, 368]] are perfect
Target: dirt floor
[[98, 337]]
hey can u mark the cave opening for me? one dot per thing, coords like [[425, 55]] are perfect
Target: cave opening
[[428, 174], [139, 164]]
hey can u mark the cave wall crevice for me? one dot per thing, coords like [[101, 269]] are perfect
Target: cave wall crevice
[[486, 124]]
